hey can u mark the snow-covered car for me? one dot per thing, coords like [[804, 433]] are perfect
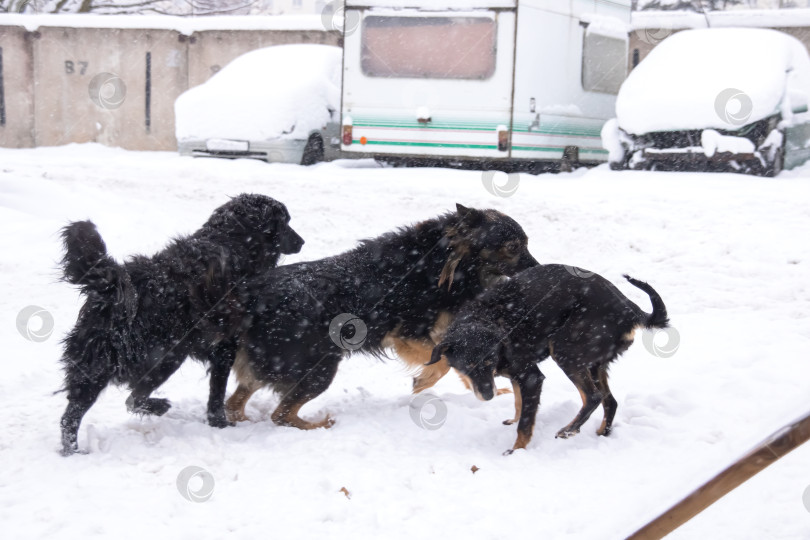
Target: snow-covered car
[[715, 99], [277, 104]]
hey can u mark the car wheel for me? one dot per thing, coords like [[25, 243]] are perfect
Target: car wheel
[[769, 166], [313, 151], [775, 166]]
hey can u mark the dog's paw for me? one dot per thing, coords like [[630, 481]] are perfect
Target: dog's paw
[[604, 432], [236, 416], [327, 422], [153, 406], [509, 452], [509, 422], [219, 421], [566, 433]]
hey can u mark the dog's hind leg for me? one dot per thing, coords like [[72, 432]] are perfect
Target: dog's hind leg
[[248, 385], [608, 401], [588, 391], [139, 400], [313, 384], [81, 396], [235, 406]]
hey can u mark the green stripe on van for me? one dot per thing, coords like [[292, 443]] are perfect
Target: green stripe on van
[[554, 129], [429, 144]]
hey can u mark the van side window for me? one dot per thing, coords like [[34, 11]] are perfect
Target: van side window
[[604, 63], [428, 47]]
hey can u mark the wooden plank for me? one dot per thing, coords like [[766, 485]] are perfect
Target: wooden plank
[[770, 450]]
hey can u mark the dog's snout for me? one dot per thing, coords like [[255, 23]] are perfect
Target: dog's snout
[[527, 261], [485, 389], [291, 242]]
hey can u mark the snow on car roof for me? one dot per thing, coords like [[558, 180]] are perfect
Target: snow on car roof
[[713, 78], [282, 91]]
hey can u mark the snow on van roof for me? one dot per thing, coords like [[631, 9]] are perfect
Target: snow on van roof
[[681, 84], [433, 5], [184, 25], [754, 18]]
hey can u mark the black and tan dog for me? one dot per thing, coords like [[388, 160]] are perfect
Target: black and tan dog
[[142, 318], [579, 319], [398, 290]]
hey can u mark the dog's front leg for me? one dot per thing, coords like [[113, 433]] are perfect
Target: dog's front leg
[[221, 361], [518, 404], [530, 383]]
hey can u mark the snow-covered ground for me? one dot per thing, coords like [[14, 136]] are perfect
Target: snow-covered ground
[[728, 253]]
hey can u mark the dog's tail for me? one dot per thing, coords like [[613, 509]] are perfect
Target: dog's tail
[[86, 262], [658, 318]]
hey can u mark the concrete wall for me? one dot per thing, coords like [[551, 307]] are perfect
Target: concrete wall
[[17, 122], [91, 86], [63, 85]]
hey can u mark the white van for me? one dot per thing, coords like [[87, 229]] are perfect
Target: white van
[[508, 82]]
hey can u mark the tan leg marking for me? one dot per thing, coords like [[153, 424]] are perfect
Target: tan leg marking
[[235, 406], [430, 375], [518, 404], [601, 430], [603, 386], [289, 417], [522, 441], [248, 384], [416, 353]]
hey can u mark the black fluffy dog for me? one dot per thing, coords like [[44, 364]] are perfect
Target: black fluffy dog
[[399, 290], [583, 323], [142, 318]]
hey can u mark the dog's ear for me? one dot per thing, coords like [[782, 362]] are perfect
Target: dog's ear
[[449, 269], [503, 353], [437, 353], [458, 240], [469, 216]]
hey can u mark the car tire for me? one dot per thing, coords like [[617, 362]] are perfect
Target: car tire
[[770, 167], [774, 167], [313, 150]]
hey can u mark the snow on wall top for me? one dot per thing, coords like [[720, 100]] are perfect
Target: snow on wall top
[[184, 25], [758, 18]]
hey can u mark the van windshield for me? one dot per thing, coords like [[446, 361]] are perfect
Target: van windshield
[[428, 47]]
